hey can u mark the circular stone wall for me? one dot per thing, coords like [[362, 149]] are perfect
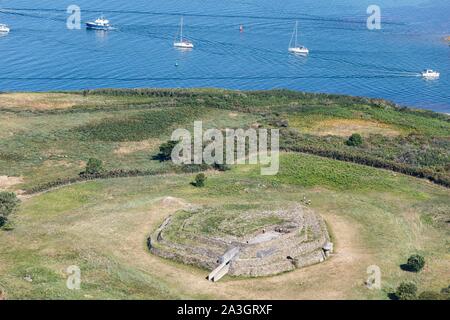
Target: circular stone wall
[[250, 242]]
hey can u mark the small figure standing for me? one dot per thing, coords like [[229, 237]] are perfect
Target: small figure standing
[[241, 28]]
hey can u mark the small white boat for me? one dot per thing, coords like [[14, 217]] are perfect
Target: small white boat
[[99, 24], [295, 48], [430, 74], [183, 43], [4, 28], [299, 50]]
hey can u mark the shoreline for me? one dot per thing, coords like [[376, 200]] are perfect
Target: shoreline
[[119, 91]]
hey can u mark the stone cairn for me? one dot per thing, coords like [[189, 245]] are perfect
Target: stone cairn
[[300, 240]]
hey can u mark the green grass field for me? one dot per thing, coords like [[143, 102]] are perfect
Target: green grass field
[[375, 216]]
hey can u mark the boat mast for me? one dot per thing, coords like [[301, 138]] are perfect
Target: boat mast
[[181, 32], [296, 33]]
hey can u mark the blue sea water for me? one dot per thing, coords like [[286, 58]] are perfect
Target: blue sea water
[[41, 54]]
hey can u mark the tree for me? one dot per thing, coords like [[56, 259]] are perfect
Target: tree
[[200, 180], [93, 166], [8, 204], [406, 291], [165, 150], [415, 263], [355, 140]]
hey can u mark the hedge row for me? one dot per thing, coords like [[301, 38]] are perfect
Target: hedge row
[[374, 162], [118, 173]]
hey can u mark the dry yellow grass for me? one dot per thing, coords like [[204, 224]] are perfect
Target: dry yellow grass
[[6, 182], [136, 146], [45, 101], [336, 278], [346, 127]]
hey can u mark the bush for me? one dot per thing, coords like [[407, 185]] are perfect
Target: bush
[[430, 295], [221, 166], [8, 204], [94, 166], [165, 150], [200, 180], [355, 140], [445, 292], [192, 168], [406, 291], [415, 263]]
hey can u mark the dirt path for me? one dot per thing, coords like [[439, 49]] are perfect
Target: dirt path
[[334, 279], [7, 182]]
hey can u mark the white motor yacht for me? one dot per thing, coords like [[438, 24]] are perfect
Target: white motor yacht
[[4, 28], [99, 24], [430, 74]]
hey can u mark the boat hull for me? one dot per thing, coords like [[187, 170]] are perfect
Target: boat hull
[[302, 51], [94, 26], [434, 76], [431, 75], [183, 45]]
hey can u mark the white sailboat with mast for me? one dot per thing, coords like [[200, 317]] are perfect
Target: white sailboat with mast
[[294, 47], [183, 43]]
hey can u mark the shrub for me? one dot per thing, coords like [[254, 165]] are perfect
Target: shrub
[[200, 180], [165, 150], [93, 166], [8, 203], [192, 168], [445, 292], [430, 295], [221, 166], [406, 291], [355, 140], [415, 263]]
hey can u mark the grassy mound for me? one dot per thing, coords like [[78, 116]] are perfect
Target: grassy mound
[[375, 216], [102, 227]]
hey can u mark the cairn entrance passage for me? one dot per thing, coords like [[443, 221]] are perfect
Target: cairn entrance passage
[[257, 242]]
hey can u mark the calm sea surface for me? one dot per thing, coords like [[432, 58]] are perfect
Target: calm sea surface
[[41, 54]]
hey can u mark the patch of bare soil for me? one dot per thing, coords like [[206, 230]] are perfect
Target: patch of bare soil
[[7, 182], [173, 202]]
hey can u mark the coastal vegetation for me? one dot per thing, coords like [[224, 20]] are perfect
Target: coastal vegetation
[[100, 220], [406, 291], [8, 204], [409, 141]]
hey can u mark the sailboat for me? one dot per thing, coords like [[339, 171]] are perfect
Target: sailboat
[[184, 44], [297, 49]]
